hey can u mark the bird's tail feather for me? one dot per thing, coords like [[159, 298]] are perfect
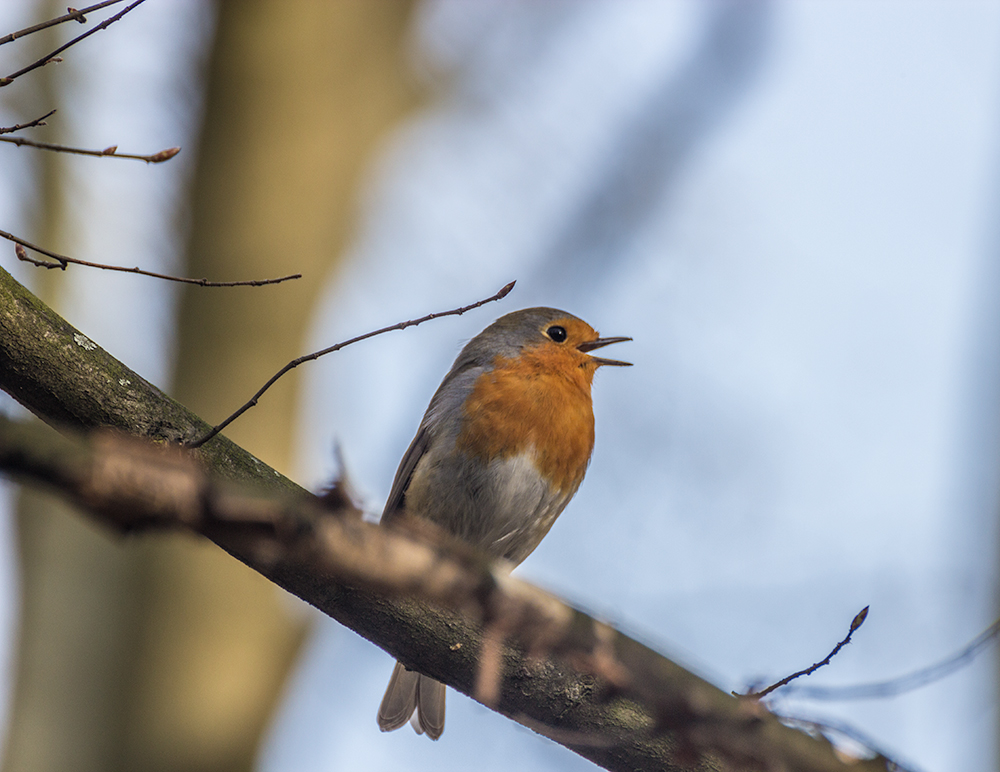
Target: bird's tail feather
[[411, 694]]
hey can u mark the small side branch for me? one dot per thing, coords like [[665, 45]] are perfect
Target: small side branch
[[61, 261], [907, 682], [336, 347], [112, 151], [73, 15], [858, 620], [30, 124], [53, 57]]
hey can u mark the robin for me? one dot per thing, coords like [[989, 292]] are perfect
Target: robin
[[499, 453]]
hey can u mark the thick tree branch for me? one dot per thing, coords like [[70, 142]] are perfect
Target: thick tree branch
[[589, 687]]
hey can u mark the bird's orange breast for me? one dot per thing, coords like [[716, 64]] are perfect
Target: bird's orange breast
[[538, 402]]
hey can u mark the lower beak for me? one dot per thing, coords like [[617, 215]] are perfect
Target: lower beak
[[590, 345]]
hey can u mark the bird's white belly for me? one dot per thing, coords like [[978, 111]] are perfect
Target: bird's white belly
[[504, 507]]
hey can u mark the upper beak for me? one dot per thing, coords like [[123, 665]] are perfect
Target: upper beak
[[590, 345]]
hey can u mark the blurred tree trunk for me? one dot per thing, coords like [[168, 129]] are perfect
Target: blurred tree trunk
[[78, 590], [133, 655], [297, 95]]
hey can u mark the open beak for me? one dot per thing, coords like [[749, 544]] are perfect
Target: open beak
[[590, 345]]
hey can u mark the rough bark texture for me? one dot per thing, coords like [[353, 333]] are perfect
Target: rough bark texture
[[69, 381]]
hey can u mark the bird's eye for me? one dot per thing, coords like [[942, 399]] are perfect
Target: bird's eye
[[557, 333]]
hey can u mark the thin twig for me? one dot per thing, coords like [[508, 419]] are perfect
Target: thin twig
[[903, 683], [51, 57], [858, 620], [336, 347], [73, 15], [62, 261], [28, 125], [153, 158]]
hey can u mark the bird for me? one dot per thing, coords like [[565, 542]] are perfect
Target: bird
[[501, 450]]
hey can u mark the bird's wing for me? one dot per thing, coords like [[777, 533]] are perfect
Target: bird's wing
[[394, 504], [448, 398]]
